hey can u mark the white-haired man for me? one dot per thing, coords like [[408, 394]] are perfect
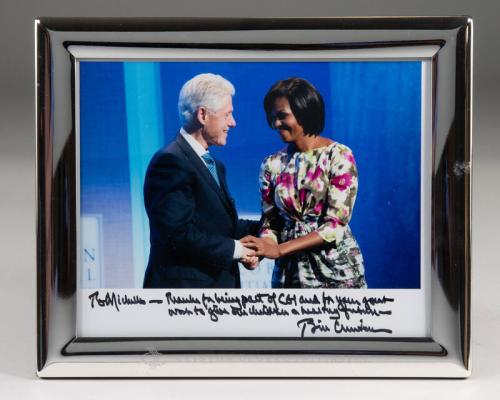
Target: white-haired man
[[194, 226]]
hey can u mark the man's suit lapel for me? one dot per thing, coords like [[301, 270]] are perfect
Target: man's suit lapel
[[203, 171], [225, 189]]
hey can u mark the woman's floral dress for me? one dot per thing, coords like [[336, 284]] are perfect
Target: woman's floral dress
[[313, 191]]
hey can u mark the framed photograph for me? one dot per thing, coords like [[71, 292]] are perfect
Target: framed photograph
[[254, 197]]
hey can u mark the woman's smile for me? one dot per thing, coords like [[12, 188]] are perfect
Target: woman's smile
[[285, 122]]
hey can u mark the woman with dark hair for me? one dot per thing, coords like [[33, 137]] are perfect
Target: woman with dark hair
[[308, 191]]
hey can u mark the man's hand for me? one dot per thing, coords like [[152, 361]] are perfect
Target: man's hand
[[246, 252], [263, 247], [250, 263], [249, 259]]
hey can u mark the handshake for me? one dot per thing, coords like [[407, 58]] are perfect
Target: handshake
[[254, 249]]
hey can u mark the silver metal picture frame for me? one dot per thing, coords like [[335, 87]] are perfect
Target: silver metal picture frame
[[442, 47]]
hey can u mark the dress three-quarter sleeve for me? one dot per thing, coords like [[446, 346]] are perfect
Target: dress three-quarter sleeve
[[341, 195]]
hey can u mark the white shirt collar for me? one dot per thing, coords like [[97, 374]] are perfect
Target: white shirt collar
[[195, 145]]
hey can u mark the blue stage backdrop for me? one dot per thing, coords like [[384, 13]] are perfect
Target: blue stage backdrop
[[129, 110]]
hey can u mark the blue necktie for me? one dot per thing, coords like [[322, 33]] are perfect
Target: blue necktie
[[211, 166]]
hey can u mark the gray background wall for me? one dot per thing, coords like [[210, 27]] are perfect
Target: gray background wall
[[17, 200]]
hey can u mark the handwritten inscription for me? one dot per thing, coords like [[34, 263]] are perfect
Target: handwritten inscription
[[111, 299], [318, 313]]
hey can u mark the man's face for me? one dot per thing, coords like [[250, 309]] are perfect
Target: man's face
[[216, 124]]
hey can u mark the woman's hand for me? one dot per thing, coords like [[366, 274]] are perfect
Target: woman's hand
[[263, 247], [267, 247]]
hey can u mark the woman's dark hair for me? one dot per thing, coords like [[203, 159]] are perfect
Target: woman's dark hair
[[305, 102]]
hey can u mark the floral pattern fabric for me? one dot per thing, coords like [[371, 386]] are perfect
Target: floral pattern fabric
[[313, 191]]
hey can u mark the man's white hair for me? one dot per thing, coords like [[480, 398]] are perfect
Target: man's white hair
[[204, 90]]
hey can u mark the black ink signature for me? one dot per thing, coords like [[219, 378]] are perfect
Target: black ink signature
[[341, 328], [314, 326], [114, 300]]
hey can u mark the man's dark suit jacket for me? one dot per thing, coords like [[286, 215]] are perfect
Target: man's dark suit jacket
[[193, 222]]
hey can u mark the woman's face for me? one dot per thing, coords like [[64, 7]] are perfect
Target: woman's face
[[284, 121]]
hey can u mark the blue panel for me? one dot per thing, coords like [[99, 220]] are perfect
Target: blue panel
[[376, 112], [104, 176], [372, 107], [145, 137]]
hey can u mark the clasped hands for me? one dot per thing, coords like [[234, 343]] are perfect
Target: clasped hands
[[255, 248]]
